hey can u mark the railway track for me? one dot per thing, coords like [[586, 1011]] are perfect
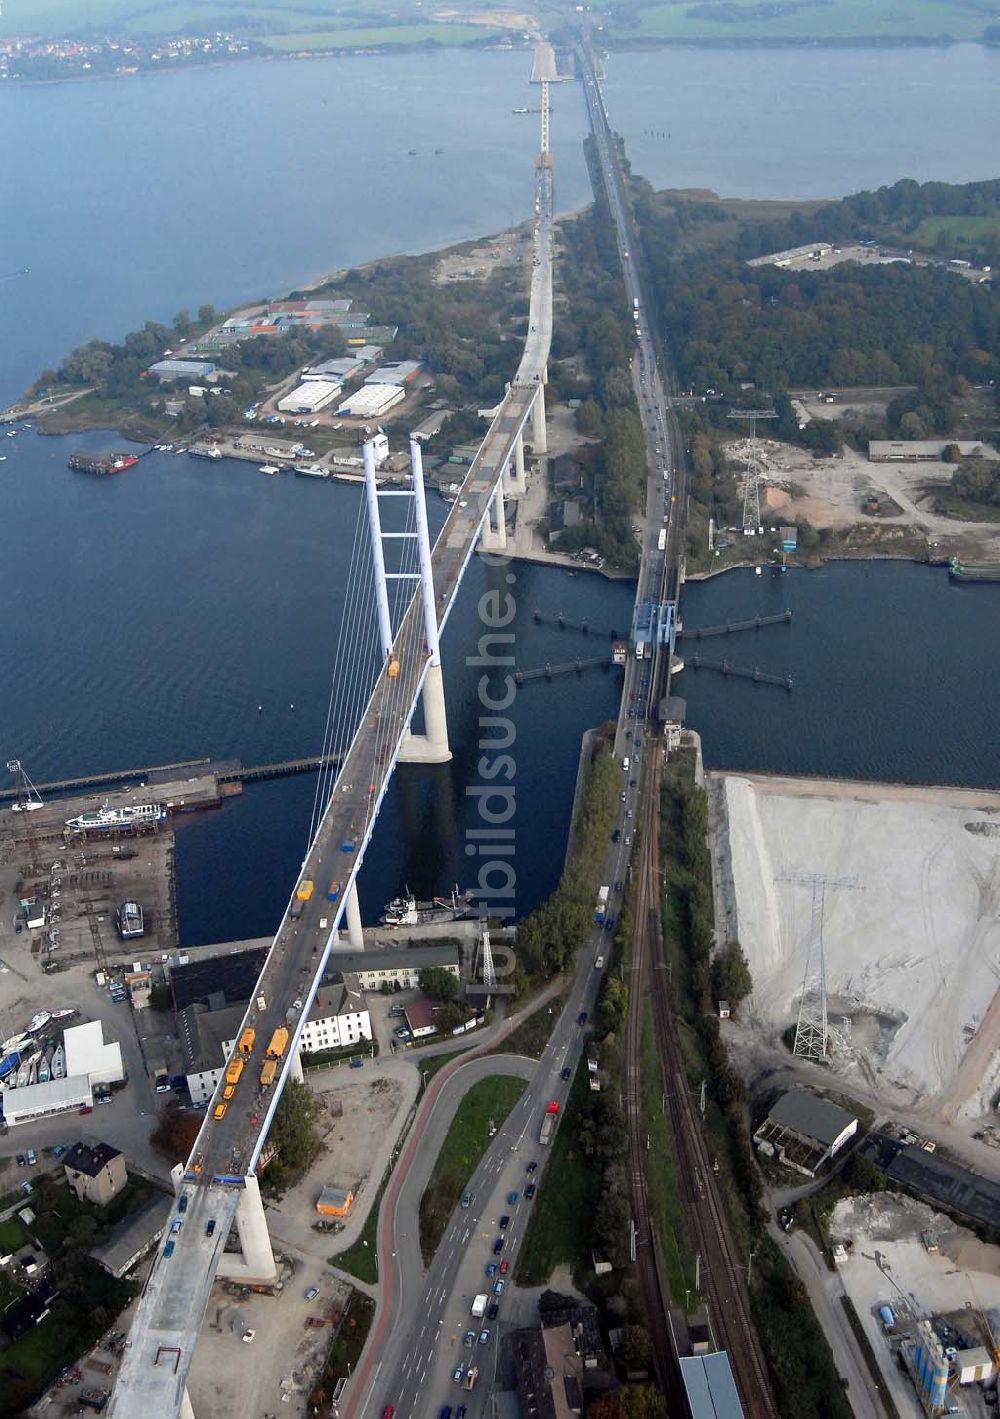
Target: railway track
[[722, 1276], [655, 1296]]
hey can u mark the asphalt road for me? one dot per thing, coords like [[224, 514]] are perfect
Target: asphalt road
[[427, 1313], [825, 1290]]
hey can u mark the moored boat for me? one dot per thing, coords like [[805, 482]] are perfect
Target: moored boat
[[107, 819], [102, 464], [407, 911], [59, 1063]]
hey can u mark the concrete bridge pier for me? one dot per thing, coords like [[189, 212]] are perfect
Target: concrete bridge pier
[[295, 1068], [515, 480], [431, 747], [187, 1408], [538, 418], [354, 934], [495, 538], [255, 1261]]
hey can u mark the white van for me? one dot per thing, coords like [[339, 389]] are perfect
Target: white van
[[625, 763]]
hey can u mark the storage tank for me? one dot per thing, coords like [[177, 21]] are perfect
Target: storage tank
[[937, 1387], [886, 1316]]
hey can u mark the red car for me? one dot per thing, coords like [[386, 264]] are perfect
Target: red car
[[504, 1268], [388, 1412]]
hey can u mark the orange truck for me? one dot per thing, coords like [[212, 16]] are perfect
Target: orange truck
[[279, 1043], [247, 1041], [267, 1071], [234, 1070]]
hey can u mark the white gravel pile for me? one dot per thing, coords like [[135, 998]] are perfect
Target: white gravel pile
[[912, 951]]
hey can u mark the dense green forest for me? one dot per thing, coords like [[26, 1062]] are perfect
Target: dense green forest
[[725, 323], [940, 218]]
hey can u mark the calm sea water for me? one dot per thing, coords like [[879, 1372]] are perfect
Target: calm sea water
[[807, 121], [152, 613], [145, 618], [129, 199]]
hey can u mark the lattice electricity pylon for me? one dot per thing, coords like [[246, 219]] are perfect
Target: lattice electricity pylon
[[751, 486], [489, 969], [812, 1028]]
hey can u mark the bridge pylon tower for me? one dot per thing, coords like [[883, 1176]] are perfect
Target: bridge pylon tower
[[431, 747]]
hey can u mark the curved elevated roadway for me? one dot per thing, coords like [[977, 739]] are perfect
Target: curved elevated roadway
[[171, 1309]]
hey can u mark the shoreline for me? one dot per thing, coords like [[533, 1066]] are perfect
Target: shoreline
[[611, 44]]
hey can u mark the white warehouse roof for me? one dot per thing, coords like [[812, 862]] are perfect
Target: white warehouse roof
[[372, 400], [313, 394], [86, 1053], [39, 1100]]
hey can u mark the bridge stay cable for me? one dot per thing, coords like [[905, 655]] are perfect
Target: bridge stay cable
[[337, 681]]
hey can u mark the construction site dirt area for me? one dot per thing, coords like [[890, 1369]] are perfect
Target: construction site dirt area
[[231, 1378], [903, 1255], [356, 1119], [894, 892], [837, 493]]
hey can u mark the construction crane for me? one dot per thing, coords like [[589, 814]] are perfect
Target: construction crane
[[984, 1324], [26, 800], [812, 1028]]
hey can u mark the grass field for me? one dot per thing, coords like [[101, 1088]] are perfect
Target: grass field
[[840, 20], [533, 1034], [949, 504], [360, 1259], [12, 1235], [559, 1231], [962, 229], [450, 36], [488, 1102], [314, 25]]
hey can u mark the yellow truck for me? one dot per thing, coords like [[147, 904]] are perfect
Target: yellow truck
[[279, 1043], [247, 1041], [304, 890], [229, 1091], [234, 1070], [267, 1071], [220, 1110]]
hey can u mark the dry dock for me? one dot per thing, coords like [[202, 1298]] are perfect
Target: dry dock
[[61, 888]]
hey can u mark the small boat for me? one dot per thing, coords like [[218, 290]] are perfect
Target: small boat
[[269, 469], [9, 1066], [65, 1014], [38, 1022], [33, 1071], [44, 1068], [59, 1064]]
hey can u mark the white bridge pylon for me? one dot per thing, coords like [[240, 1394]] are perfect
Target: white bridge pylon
[[431, 747]]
